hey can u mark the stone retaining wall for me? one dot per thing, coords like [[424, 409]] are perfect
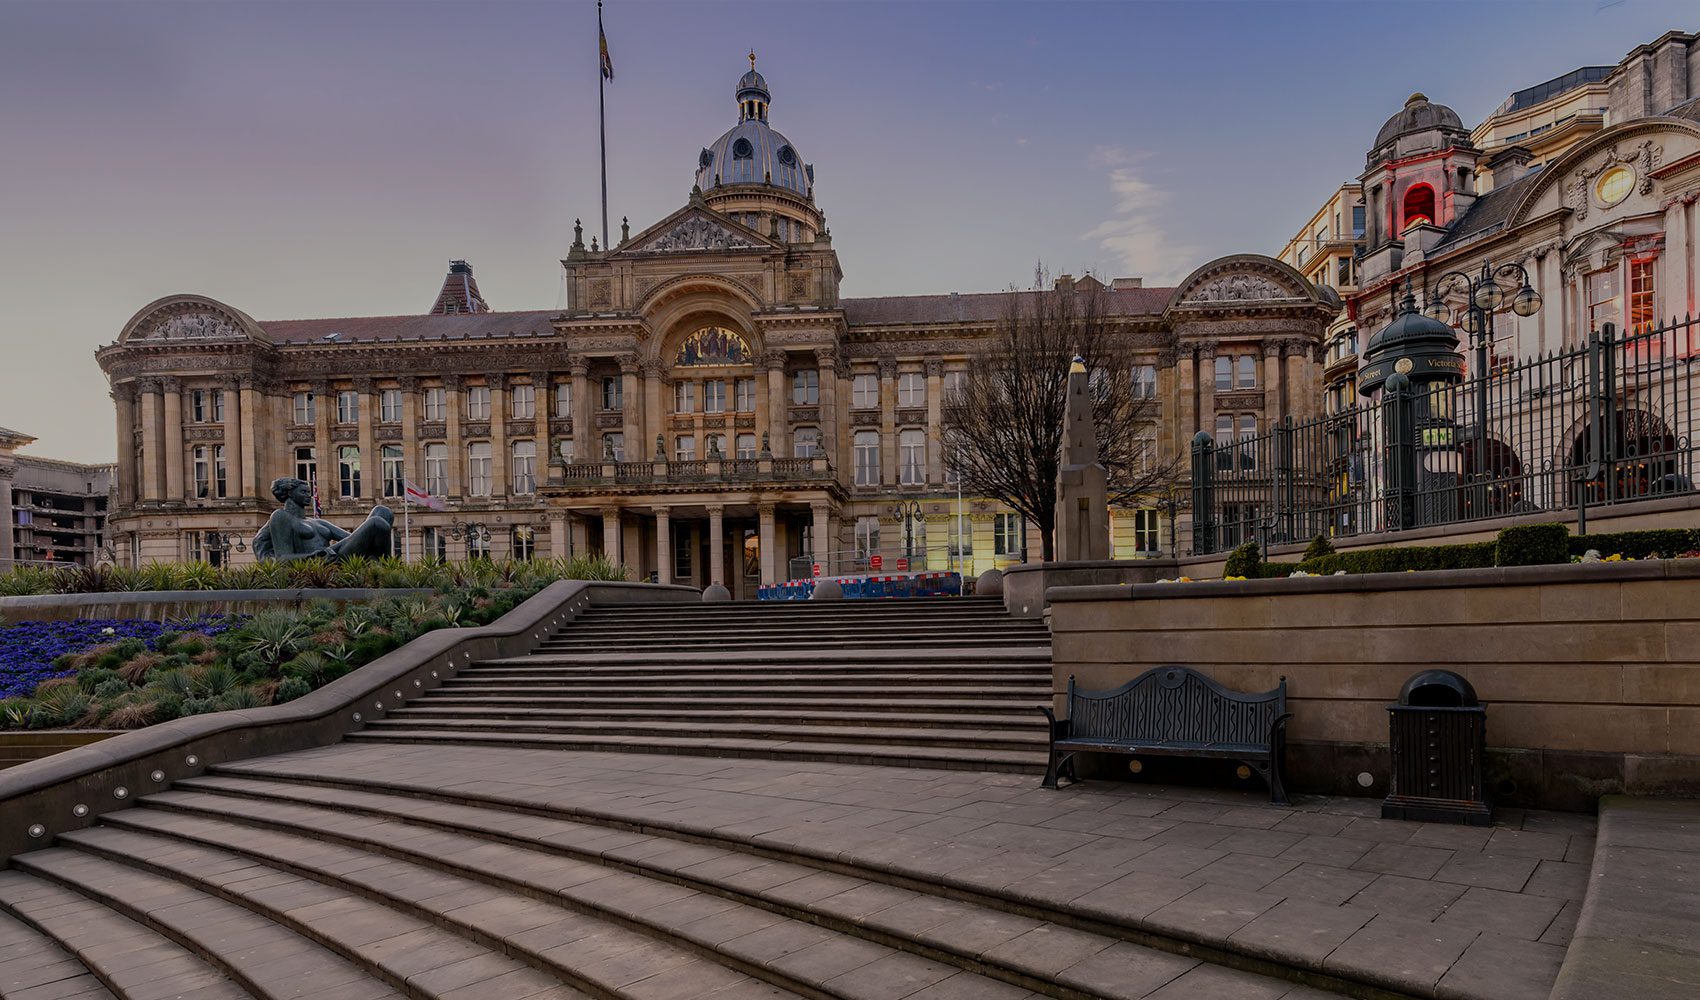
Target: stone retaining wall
[[1591, 672], [22, 747], [159, 605]]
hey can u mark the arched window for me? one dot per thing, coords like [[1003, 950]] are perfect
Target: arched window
[[742, 150], [1419, 206], [713, 345]]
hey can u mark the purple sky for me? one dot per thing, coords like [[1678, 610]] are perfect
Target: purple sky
[[325, 159]]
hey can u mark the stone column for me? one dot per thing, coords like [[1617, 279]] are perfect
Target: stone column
[[412, 452], [888, 421], [652, 410], [124, 404], [152, 445], [578, 535], [1207, 387], [558, 535], [454, 400], [501, 463], [1273, 401], [1185, 399], [663, 545], [821, 529], [585, 448], [611, 533], [324, 406], [8, 545], [826, 360], [173, 430], [769, 544], [1294, 385], [371, 472], [935, 420], [717, 545], [252, 475], [773, 392], [630, 409]]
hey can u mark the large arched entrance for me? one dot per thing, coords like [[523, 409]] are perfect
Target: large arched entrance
[[1638, 456]]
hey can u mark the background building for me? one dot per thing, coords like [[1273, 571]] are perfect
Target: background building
[[51, 512], [706, 408]]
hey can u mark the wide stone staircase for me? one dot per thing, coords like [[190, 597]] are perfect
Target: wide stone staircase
[[924, 682]]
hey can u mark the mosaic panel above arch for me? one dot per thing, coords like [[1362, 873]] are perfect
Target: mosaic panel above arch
[[713, 345]]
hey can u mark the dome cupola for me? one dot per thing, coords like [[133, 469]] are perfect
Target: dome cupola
[[753, 97], [752, 152]]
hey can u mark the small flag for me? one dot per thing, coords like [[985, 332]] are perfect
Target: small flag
[[607, 63], [415, 495]]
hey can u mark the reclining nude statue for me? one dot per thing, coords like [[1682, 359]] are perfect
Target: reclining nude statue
[[291, 534]]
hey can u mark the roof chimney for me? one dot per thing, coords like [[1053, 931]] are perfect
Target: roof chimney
[[1508, 165], [1118, 284], [1065, 283], [460, 292]]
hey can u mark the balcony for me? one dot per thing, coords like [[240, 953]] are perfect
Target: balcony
[[602, 475]]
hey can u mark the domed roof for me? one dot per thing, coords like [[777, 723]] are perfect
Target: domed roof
[[1418, 115], [753, 84], [752, 151]]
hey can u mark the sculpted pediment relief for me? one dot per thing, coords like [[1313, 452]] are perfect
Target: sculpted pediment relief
[[1238, 288], [695, 234], [196, 325]]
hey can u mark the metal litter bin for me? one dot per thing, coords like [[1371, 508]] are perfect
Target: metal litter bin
[[1437, 733]]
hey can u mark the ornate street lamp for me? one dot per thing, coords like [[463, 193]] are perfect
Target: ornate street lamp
[[221, 542], [910, 511], [472, 531]]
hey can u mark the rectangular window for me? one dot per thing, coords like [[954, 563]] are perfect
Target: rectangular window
[[1605, 298], [437, 469], [391, 460], [805, 442], [1641, 295], [961, 541], [912, 389], [867, 458], [563, 399], [912, 457], [1245, 372], [434, 543], [684, 448], [522, 401], [865, 392], [746, 446], [746, 393], [867, 535], [198, 405], [684, 397], [478, 469], [522, 541], [1144, 381], [306, 465], [681, 554], [389, 406], [524, 467], [478, 402], [348, 471], [1342, 272], [1224, 373], [1006, 534], [347, 406], [1145, 529], [203, 472], [218, 406], [613, 394], [805, 387], [197, 552], [614, 447], [1357, 222], [953, 382], [303, 408], [566, 448], [221, 486], [714, 396], [1224, 443], [1247, 447], [436, 404]]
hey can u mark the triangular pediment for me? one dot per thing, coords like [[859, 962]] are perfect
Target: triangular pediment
[[694, 229]]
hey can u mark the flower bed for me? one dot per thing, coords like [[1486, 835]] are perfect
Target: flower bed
[[29, 650]]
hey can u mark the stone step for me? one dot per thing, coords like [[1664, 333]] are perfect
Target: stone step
[[991, 690], [265, 958], [1029, 735], [794, 669], [433, 709], [612, 706], [687, 935], [845, 751], [885, 626], [1029, 655], [938, 635], [392, 912], [687, 620], [33, 964], [567, 679], [124, 958], [777, 609], [1009, 942]]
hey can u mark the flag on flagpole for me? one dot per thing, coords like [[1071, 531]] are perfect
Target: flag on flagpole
[[607, 63], [415, 495], [317, 511]]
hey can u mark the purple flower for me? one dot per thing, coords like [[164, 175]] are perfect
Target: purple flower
[[28, 649]]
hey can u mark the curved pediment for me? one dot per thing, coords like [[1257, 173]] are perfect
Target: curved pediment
[[1243, 279], [191, 319], [1611, 174]]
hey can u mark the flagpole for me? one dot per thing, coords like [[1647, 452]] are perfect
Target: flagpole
[[406, 520], [602, 119]]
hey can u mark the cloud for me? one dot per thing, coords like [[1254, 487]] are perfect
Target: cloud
[[1133, 232]]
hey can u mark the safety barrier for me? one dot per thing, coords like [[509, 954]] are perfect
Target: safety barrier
[[869, 587]]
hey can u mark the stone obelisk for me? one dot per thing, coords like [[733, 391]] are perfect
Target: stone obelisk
[[1083, 512]]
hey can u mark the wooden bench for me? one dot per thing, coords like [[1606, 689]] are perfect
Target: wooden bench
[[1173, 712]]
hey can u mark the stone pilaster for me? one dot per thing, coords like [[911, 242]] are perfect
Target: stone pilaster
[[826, 360], [611, 534], [324, 408], [173, 431], [586, 447], [888, 421], [630, 407], [454, 401], [663, 545], [775, 393], [412, 452], [935, 421], [8, 544], [249, 396], [652, 410], [371, 472], [768, 540], [1273, 402], [501, 463], [153, 456], [717, 545], [124, 404]]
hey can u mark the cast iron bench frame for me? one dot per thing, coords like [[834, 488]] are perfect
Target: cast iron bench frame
[[1173, 711]]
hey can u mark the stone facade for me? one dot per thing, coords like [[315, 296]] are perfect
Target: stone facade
[[52, 512], [706, 408]]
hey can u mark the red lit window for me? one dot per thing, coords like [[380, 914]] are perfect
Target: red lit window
[[1419, 206], [1641, 294]]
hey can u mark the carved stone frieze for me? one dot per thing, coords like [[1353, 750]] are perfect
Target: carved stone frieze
[[714, 423], [865, 418], [745, 422], [190, 322], [935, 367], [298, 435], [389, 432], [345, 433], [522, 428], [435, 429], [476, 429], [1237, 288], [610, 421], [561, 425], [797, 286], [601, 292], [805, 414], [692, 234], [1239, 399], [204, 434], [912, 416]]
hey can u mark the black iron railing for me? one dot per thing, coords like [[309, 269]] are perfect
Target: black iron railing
[[1606, 422]]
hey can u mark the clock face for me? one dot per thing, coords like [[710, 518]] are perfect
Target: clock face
[[1614, 185]]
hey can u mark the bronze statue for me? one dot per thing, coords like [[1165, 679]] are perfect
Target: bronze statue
[[291, 534]]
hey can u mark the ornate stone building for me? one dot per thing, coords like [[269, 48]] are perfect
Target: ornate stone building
[[706, 408]]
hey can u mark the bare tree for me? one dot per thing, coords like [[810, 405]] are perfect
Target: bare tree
[[1005, 424]]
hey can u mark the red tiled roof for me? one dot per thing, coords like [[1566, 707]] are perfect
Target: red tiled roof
[[458, 326], [982, 306]]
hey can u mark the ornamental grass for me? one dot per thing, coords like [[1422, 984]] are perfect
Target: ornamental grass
[[126, 674]]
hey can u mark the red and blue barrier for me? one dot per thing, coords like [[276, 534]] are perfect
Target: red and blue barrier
[[869, 587]]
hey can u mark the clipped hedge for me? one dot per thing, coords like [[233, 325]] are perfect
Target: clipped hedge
[[1659, 542], [1472, 555], [1533, 545], [1245, 561]]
